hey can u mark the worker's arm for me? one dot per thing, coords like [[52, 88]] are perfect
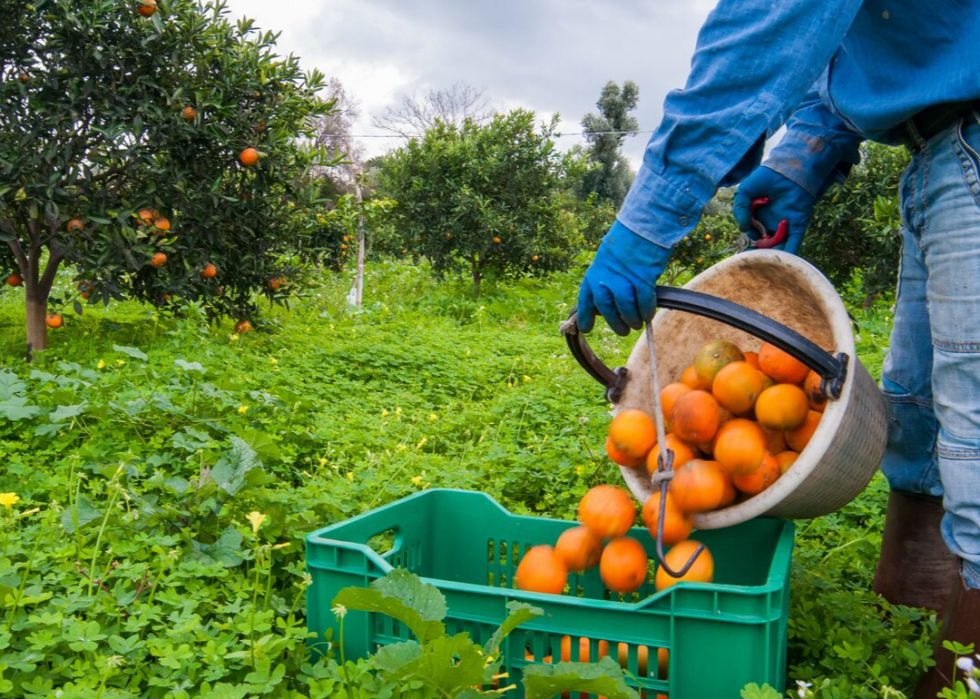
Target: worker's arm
[[754, 63]]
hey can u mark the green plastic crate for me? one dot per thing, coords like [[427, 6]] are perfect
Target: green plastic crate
[[719, 636]]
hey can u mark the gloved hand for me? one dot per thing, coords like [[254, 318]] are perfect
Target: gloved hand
[[621, 283], [787, 200]]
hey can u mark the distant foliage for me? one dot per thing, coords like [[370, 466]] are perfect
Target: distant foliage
[[611, 176]]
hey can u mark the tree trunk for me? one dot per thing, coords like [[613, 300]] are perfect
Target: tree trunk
[[37, 325], [359, 293], [477, 277]]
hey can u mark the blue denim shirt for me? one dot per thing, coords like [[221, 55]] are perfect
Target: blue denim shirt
[[834, 71]]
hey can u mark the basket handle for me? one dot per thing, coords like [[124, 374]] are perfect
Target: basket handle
[[832, 370]]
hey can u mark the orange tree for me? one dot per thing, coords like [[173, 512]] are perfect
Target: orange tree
[[141, 141], [484, 198]]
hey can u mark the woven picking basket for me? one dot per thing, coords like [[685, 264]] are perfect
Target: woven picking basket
[[845, 451]]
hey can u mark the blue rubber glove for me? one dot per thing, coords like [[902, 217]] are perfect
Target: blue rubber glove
[[787, 200], [621, 282]]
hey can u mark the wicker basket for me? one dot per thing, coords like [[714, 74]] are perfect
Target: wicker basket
[[845, 451]]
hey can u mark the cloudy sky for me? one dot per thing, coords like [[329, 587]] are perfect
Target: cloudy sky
[[547, 55]]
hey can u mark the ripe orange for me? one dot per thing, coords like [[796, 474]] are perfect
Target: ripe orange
[[740, 446], [766, 380], [54, 320], [620, 458], [729, 494], [761, 478], [249, 157], [677, 524], [584, 650], [775, 440], [75, 226], [275, 283], [669, 395], [752, 358], [782, 367], [496, 239], [690, 378], [209, 271], [815, 396], [697, 486], [682, 453], [541, 570], [737, 386], [243, 326], [159, 260], [633, 433], [696, 416], [15, 280], [189, 113], [579, 548], [786, 459], [534, 258], [713, 356], [623, 567], [608, 511], [147, 8], [703, 570], [146, 216], [162, 225], [798, 439], [782, 407]]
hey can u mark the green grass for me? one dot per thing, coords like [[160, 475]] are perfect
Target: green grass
[[145, 470]]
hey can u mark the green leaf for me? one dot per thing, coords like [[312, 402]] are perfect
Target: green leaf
[[402, 596], [519, 613], [261, 443], [754, 691], [232, 469], [67, 412], [85, 513], [226, 551], [605, 678], [190, 366], [450, 664], [393, 657], [16, 409], [132, 352], [11, 385]]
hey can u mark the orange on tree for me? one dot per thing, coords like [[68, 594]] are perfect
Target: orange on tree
[[620, 458], [608, 511], [623, 566], [579, 548], [739, 446], [677, 524], [159, 259], [798, 439], [782, 407], [752, 358], [737, 386], [786, 459], [75, 226], [814, 394], [633, 433], [697, 486], [54, 320], [147, 8], [703, 570], [496, 239], [781, 366], [209, 271], [696, 417], [275, 283], [690, 378], [243, 326], [189, 113], [761, 478], [146, 216], [15, 280], [541, 570], [669, 395], [682, 453], [249, 157], [714, 356], [534, 258], [162, 225]]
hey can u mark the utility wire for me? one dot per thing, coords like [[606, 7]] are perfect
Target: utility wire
[[555, 135]]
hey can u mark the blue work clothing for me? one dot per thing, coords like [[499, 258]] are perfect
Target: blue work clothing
[[787, 201]]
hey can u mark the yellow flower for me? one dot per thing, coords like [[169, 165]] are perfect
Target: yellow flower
[[273, 361], [120, 362], [526, 378], [243, 409], [256, 518], [398, 412], [280, 546], [101, 364], [350, 476], [8, 500], [384, 413], [401, 447], [323, 462], [422, 442], [416, 479], [233, 337], [433, 417]]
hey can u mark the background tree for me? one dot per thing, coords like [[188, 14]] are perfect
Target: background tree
[[414, 114], [139, 144], [333, 133], [611, 177], [483, 198]]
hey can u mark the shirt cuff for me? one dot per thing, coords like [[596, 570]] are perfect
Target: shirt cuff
[[658, 211]]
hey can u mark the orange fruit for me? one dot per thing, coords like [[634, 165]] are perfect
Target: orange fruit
[[54, 320], [782, 407], [209, 271], [775, 440], [737, 386], [620, 458], [697, 486], [740, 446], [669, 395], [766, 380], [147, 8], [752, 359], [243, 326], [146, 216], [690, 378], [75, 226], [579, 548], [496, 239], [642, 658], [162, 225], [15, 280], [189, 113], [682, 453], [584, 650], [786, 459], [534, 258], [249, 157], [761, 478], [815, 396], [159, 260], [729, 494], [782, 367], [695, 417], [623, 566], [608, 511], [703, 570], [542, 570], [677, 524], [633, 433], [714, 356], [798, 439]]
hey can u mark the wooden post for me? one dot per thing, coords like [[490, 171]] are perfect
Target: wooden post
[[359, 283]]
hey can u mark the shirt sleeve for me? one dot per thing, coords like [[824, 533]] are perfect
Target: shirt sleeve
[[754, 63], [817, 150]]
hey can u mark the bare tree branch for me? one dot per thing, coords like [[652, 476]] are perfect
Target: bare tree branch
[[415, 115], [334, 134]]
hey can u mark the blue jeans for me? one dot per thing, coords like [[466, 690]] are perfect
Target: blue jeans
[[931, 376]]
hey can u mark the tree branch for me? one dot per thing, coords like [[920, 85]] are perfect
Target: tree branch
[[54, 261]]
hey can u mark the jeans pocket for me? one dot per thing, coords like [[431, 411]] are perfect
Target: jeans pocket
[[967, 144], [909, 463]]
